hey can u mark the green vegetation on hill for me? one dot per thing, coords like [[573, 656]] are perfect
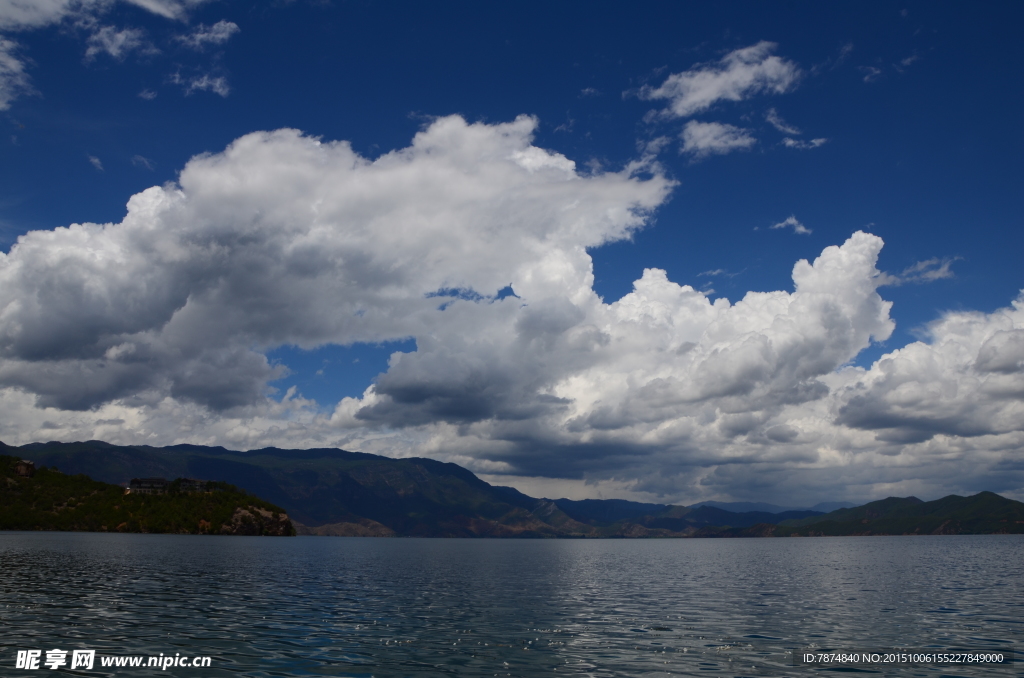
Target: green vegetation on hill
[[50, 500], [982, 513]]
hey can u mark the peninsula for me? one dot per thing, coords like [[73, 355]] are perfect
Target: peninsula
[[46, 499]]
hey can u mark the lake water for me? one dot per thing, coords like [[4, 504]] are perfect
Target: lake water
[[436, 607]]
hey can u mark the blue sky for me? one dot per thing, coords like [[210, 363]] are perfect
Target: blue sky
[[899, 120]]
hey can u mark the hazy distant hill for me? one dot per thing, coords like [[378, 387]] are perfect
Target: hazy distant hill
[[335, 492], [747, 506], [683, 520]]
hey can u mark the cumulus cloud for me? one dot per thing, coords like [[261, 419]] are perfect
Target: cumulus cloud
[[205, 36], [156, 330], [701, 139], [737, 76], [792, 222], [674, 374], [965, 381], [173, 300]]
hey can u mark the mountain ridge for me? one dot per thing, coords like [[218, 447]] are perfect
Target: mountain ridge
[[328, 491]]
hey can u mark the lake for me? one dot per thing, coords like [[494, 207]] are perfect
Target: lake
[[310, 606]]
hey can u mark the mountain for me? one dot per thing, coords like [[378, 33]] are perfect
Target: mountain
[[335, 492], [982, 513], [673, 520], [746, 506], [51, 500], [606, 511], [331, 491], [829, 506]]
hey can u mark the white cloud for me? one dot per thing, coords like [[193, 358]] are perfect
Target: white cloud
[[870, 73], [117, 43], [204, 36], [773, 118], [778, 123], [209, 83], [702, 139], [965, 382], [925, 271], [173, 299], [14, 81], [794, 223], [203, 83], [25, 15], [30, 14], [142, 161], [904, 63], [803, 145], [832, 63], [162, 321], [95, 162], [737, 76], [147, 94], [169, 9]]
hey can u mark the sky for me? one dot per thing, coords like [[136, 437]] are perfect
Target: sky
[[658, 251]]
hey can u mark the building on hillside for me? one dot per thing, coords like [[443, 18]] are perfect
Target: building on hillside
[[192, 485], [25, 468], [147, 486]]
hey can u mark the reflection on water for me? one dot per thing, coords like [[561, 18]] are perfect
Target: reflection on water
[[424, 607]]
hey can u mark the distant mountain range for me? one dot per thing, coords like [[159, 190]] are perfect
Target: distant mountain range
[[335, 492], [742, 506]]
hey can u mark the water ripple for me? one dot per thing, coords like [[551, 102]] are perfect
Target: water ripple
[[421, 607]]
